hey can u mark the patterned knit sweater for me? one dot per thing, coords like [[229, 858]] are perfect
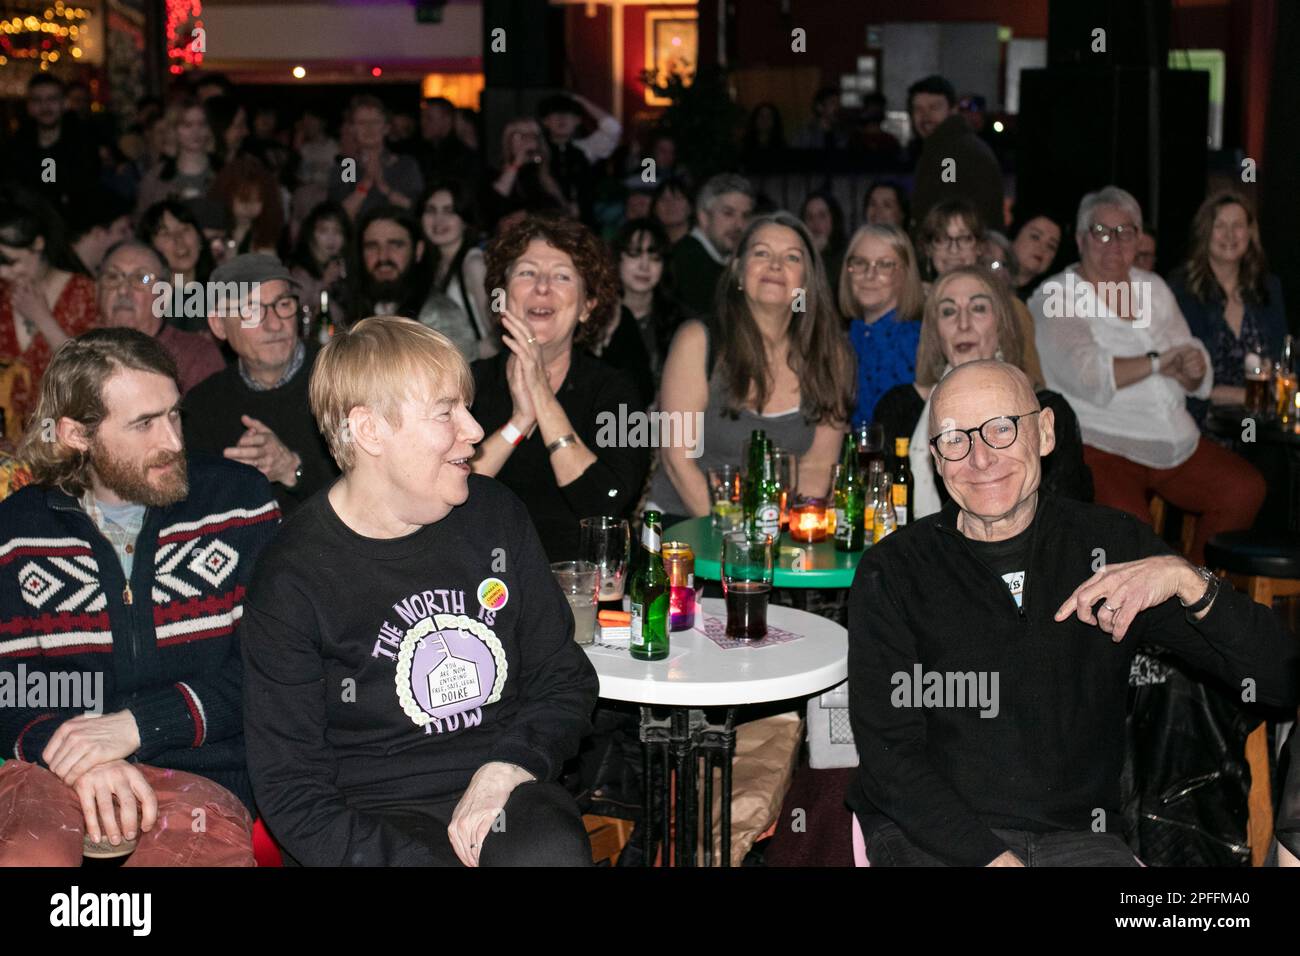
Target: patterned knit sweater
[[165, 648]]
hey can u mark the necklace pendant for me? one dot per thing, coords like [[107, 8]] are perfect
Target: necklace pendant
[[127, 597]]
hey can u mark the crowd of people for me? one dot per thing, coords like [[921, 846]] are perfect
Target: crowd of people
[[289, 479]]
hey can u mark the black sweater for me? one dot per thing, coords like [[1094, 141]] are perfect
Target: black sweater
[[1064, 471], [212, 424], [1054, 752], [611, 486], [381, 674]]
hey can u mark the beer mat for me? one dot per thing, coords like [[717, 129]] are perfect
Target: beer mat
[[715, 629], [600, 648]]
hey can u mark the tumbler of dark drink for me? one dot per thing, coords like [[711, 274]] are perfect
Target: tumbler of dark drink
[[747, 610], [747, 583]]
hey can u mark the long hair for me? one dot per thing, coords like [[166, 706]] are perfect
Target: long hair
[[835, 241], [818, 348], [26, 216], [1253, 269], [302, 256], [665, 308], [911, 298], [464, 205], [930, 360], [73, 387], [244, 176]]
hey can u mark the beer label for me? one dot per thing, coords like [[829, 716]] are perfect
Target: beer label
[[769, 519], [900, 503], [842, 530], [637, 637], [651, 538]]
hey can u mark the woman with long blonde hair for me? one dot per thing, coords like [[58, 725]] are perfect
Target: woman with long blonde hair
[[969, 316]]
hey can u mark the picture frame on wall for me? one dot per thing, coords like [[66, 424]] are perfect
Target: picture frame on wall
[[672, 43]]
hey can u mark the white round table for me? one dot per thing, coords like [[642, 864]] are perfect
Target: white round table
[[696, 674]]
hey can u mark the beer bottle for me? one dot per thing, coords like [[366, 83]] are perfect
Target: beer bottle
[[871, 494], [884, 518], [850, 532], [902, 481], [758, 449], [648, 590]]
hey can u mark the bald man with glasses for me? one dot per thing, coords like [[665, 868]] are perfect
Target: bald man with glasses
[[990, 646]]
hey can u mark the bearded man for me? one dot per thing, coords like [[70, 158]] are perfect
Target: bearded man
[[122, 576]]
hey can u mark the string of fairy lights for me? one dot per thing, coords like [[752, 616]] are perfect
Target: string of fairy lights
[[45, 38]]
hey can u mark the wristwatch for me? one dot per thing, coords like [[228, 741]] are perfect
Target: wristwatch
[[1211, 592], [1155, 362]]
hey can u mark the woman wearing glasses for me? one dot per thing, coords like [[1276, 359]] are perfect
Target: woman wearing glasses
[[953, 236], [880, 289], [1114, 342], [44, 298], [969, 317]]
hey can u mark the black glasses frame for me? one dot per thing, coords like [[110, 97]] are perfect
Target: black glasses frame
[[970, 435]]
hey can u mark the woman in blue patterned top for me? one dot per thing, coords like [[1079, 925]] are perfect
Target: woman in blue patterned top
[[880, 288], [1231, 301]]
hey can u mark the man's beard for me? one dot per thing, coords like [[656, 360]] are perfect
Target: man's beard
[[397, 291], [130, 481]]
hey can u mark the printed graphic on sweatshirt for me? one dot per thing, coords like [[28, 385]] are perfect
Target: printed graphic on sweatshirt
[[449, 666], [1016, 585]]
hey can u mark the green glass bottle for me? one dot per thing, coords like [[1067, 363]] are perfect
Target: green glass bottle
[[758, 449], [648, 590], [850, 529], [767, 507]]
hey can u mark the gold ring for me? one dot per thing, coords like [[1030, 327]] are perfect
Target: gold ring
[[532, 340]]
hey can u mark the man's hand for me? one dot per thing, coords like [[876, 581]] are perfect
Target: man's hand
[[1129, 588], [261, 448], [119, 781], [89, 741], [483, 799], [1005, 858]]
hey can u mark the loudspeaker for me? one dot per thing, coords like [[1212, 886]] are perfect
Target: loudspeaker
[[1141, 129]]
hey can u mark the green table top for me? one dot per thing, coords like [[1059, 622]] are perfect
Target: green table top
[[798, 564]]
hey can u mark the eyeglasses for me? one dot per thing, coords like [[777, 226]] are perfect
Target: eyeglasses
[[1125, 234], [134, 280], [882, 267], [956, 443], [964, 241], [286, 307]]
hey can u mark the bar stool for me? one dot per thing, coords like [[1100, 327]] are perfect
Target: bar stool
[[1186, 533], [1264, 566]]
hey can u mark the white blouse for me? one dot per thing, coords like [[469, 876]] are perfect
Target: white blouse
[[1078, 340]]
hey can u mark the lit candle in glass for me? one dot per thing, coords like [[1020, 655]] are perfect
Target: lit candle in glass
[[808, 520]]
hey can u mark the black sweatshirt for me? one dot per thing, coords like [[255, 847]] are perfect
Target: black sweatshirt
[[1053, 754], [1064, 470], [381, 674], [212, 424]]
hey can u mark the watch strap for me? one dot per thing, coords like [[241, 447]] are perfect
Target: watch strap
[[1211, 592]]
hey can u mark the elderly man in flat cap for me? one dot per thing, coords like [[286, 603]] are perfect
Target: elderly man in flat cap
[[256, 410]]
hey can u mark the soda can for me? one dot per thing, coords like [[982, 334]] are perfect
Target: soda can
[[679, 563]]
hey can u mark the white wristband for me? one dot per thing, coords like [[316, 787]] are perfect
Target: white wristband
[[511, 434]]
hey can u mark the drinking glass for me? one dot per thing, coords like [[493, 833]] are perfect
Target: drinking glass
[[606, 542], [1259, 385], [871, 445], [578, 580], [726, 510], [747, 583]]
